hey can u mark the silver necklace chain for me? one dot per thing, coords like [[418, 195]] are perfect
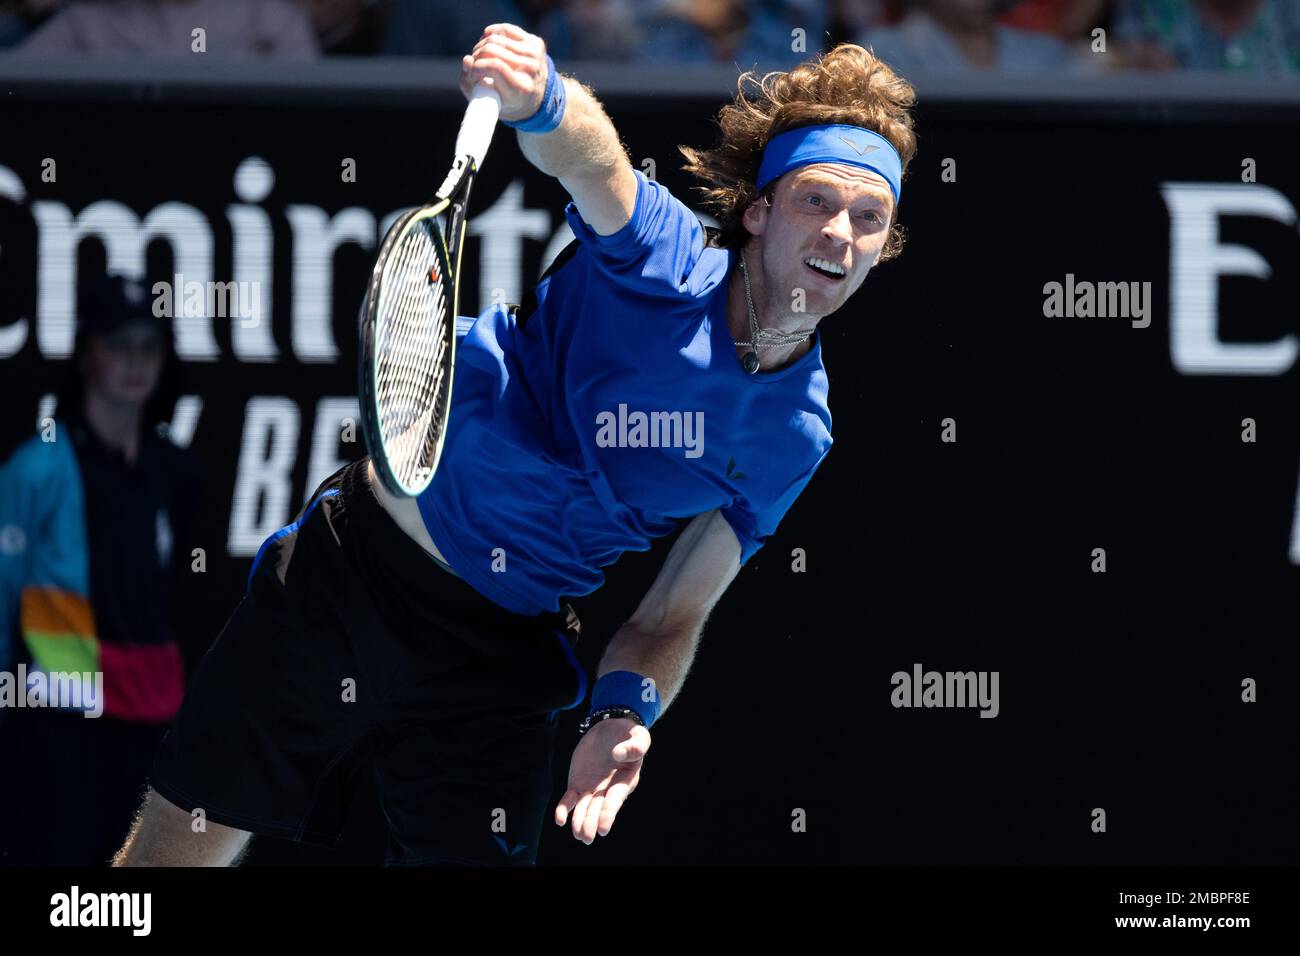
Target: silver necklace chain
[[765, 338]]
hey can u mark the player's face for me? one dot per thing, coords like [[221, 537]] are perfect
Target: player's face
[[837, 216], [124, 366]]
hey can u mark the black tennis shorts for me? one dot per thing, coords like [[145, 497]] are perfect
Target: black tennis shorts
[[368, 657]]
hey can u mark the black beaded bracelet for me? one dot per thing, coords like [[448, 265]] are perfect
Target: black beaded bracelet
[[605, 713]]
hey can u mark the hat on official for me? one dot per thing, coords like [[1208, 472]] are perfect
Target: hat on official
[[109, 302]]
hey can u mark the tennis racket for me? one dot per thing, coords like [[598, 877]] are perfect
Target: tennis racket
[[407, 350]]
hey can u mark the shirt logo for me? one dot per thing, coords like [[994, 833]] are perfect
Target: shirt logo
[[509, 850], [163, 537], [731, 469], [134, 292]]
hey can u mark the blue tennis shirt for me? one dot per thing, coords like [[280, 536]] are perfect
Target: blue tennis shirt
[[618, 409]]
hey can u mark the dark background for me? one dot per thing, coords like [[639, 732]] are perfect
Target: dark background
[[1118, 690]]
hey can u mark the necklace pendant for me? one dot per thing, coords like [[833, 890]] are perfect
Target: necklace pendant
[[750, 362]]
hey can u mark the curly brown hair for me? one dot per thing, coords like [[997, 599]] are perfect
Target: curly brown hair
[[847, 85]]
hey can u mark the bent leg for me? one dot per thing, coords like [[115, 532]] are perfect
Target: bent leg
[[165, 835]]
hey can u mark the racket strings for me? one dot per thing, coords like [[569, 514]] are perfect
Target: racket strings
[[411, 344]]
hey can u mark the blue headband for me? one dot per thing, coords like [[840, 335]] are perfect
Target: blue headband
[[833, 143]]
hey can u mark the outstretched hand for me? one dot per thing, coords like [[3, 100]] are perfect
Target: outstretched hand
[[605, 769]]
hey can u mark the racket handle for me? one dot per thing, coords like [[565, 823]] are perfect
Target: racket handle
[[479, 123]]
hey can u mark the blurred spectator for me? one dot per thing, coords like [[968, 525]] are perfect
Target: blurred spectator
[[234, 28], [18, 18], [96, 516], [959, 36], [854, 17], [738, 32], [1246, 35], [1067, 19], [577, 30], [601, 29], [347, 26]]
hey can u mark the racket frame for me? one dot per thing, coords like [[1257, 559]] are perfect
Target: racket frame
[[451, 203]]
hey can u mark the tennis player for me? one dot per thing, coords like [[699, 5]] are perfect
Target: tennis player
[[657, 373]]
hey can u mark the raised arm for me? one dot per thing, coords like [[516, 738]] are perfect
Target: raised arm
[[583, 152]]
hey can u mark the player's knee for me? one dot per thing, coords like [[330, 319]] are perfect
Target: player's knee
[[167, 835]]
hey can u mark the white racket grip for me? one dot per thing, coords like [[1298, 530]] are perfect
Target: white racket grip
[[479, 123]]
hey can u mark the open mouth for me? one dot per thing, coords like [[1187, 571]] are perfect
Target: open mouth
[[825, 268]]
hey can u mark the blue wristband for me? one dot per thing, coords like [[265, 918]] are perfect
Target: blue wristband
[[551, 111], [627, 689]]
